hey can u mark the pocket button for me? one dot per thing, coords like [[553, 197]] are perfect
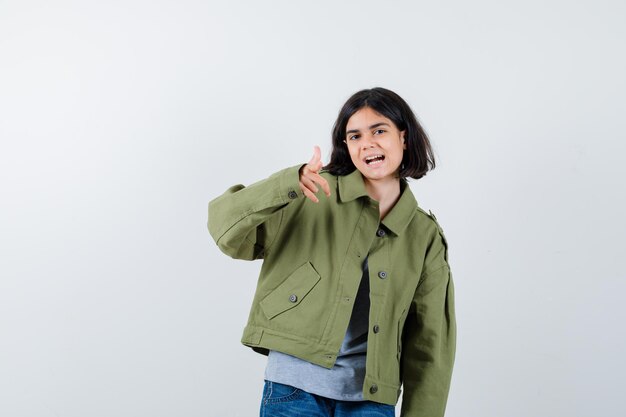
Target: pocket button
[[293, 298]]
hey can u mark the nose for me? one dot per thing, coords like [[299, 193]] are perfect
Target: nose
[[367, 141]]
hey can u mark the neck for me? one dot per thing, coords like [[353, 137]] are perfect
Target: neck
[[385, 191]]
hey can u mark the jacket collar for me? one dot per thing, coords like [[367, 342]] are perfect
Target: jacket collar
[[352, 186]]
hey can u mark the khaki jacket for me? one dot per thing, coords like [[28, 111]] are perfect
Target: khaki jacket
[[313, 257]]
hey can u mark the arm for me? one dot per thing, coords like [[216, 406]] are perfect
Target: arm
[[243, 221], [429, 340]]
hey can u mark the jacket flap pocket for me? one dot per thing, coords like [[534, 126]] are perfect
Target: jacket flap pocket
[[290, 292]]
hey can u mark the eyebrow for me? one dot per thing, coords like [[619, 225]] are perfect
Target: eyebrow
[[371, 127]]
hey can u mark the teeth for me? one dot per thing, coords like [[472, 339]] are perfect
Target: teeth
[[370, 158]]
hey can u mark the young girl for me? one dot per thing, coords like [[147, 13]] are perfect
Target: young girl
[[355, 297]]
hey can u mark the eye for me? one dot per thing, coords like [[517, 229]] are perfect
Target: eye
[[379, 130], [353, 136]]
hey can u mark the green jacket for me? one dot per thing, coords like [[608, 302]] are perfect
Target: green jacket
[[313, 257]]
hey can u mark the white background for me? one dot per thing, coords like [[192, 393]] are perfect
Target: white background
[[120, 120]]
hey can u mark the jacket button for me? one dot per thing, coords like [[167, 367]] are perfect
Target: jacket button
[[293, 298], [374, 388], [292, 194], [376, 328], [380, 233], [382, 274]]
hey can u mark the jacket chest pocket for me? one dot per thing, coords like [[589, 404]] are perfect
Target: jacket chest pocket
[[291, 291]]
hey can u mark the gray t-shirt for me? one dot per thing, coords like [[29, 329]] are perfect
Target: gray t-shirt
[[344, 381]]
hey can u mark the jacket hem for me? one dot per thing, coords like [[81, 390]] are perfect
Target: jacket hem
[[262, 340]]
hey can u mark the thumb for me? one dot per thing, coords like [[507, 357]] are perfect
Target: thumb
[[315, 161]]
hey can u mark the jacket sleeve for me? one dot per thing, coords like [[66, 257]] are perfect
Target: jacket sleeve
[[429, 339], [243, 221]]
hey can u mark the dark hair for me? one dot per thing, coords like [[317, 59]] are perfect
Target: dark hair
[[418, 158]]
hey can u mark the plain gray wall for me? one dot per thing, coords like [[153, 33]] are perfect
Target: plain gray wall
[[120, 120]]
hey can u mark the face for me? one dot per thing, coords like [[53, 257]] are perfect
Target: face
[[368, 134]]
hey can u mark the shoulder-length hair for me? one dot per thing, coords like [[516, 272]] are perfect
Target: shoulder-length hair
[[418, 157]]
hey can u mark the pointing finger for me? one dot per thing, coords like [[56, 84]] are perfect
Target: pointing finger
[[308, 182], [309, 194], [321, 181]]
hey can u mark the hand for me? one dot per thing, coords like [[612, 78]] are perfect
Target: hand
[[309, 176]]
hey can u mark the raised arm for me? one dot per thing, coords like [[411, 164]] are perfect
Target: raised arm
[[244, 221]]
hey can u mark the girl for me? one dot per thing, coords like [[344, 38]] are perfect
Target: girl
[[355, 297]]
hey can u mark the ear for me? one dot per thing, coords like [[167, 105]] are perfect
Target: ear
[[403, 132]]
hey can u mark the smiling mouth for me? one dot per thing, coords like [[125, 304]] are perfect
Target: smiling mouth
[[374, 160]]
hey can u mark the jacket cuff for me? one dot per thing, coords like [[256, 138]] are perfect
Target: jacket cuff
[[290, 183]]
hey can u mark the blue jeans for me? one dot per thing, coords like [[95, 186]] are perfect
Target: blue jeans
[[280, 400]]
